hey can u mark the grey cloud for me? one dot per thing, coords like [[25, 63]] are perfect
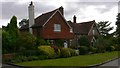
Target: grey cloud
[[12, 8]]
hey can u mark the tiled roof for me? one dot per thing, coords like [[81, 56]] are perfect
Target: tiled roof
[[40, 20], [81, 28]]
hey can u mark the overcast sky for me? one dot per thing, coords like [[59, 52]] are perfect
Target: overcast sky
[[85, 10]]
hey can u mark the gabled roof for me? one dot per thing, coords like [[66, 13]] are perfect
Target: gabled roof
[[40, 20], [82, 28], [44, 18]]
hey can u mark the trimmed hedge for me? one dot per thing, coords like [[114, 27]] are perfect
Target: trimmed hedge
[[65, 52], [83, 50], [47, 50]]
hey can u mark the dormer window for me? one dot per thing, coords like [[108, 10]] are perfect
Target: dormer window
[[57, 28]]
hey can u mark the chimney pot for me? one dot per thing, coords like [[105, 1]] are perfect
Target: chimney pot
[[74, 19]]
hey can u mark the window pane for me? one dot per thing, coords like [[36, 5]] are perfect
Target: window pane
[[57, 27]]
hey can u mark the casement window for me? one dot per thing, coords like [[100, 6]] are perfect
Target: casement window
[[57, 28]]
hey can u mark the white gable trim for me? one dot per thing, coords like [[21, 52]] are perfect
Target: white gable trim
[[90, 29], [93, 39], [53, 15]]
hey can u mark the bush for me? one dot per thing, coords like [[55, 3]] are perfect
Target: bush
[[83, 50], [92, 49], [42, 57], [29, 53], [72, 52], [65, 52], [110, 48], [56, 50], [83, 41], [47, 50], [76, 52]]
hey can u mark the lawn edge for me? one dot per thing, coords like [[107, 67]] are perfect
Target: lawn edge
[[96, 65]]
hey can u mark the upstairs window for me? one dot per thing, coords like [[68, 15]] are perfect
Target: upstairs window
[[57, 28]]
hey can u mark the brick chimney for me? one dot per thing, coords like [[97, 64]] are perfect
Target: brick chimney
[[31, 16], [74, 19], [61, 10]]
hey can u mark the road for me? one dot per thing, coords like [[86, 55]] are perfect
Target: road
[[112, 64]]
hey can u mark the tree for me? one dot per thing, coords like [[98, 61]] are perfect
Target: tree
[[104, 27], [23, 22], [118, 27]]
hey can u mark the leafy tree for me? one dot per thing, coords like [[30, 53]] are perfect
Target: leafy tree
[[118, 27], [26, 41], [23, 22], [104, 27]]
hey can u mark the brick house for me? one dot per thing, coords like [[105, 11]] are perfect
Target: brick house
[[88, 29], [50, 26], [53, 26]]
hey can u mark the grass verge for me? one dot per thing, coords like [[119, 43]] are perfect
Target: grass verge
[[81, 60]]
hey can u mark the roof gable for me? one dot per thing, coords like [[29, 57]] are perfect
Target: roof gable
[[82, 28]]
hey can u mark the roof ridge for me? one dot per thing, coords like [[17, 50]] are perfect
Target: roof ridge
[[87, 22]]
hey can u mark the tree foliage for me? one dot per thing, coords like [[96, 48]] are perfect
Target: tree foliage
[[13, 40], [83, 41], [23, 22], [118, 25], [104, 27]]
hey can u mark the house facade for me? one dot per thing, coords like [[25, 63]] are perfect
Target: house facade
[[53, 26], [88, 29], [49, 26]]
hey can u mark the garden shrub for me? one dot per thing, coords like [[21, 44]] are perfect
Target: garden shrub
[[47, 50], [76, 52], [110, 48], [83, 50], [65, 52], [56, 50], [72, 52], [83, 41], [92, 49], [42, 57]]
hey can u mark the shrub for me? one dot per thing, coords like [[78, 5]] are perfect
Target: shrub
[[65, 52], [92, 49], [110, 48], [42, 57], [29, 53], [72, 52], [56, 50], [83, 50], [76, 52], [47, 50], [83, 41]]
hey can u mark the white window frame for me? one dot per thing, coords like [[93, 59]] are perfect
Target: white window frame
[[57, 28]]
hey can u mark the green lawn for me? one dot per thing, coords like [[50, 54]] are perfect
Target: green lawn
[[82, 60]]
